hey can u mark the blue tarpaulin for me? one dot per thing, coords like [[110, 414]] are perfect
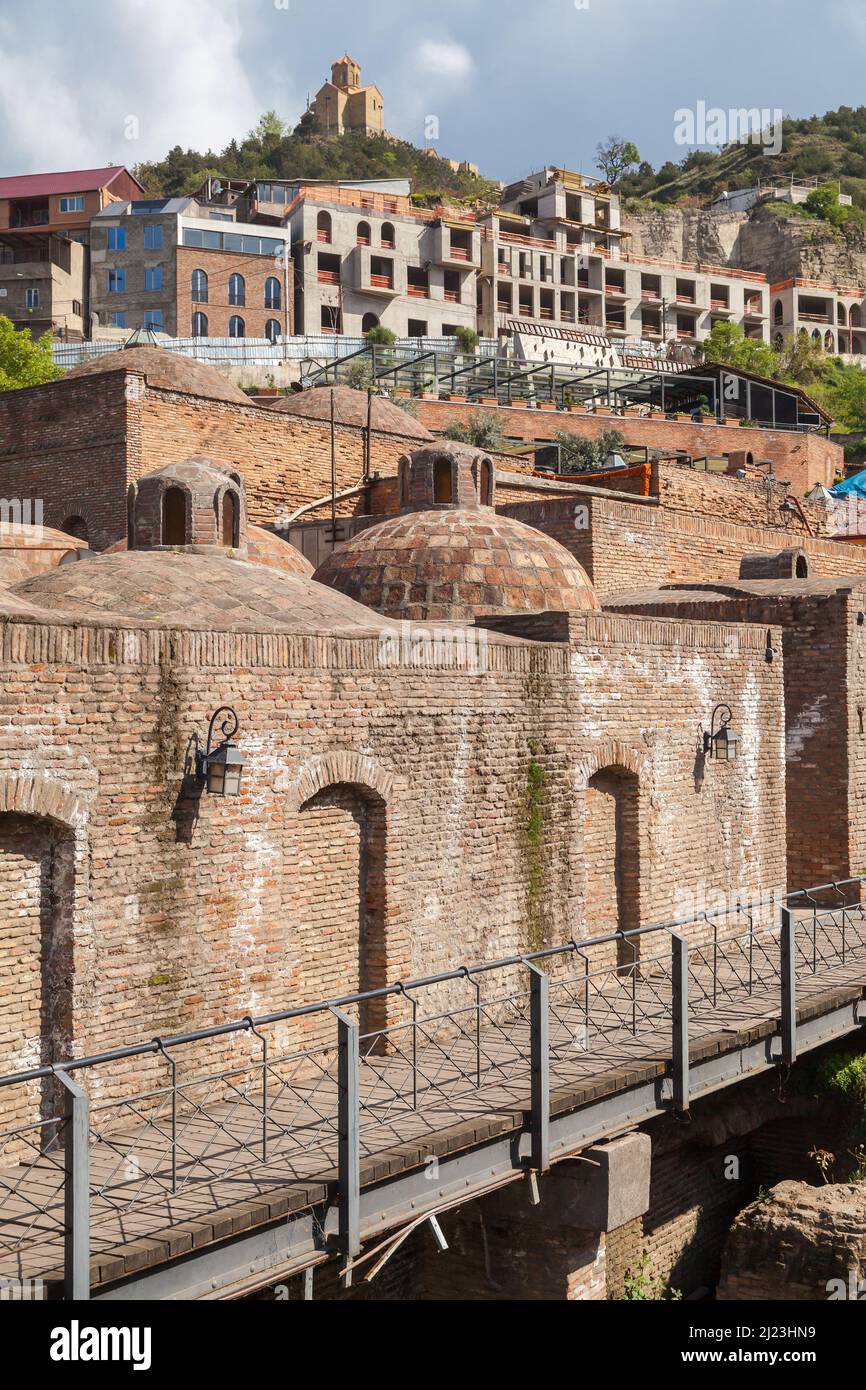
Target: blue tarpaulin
[[851, 487]]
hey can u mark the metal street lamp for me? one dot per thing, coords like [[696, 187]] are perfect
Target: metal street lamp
[[220, 768], [721, 742]]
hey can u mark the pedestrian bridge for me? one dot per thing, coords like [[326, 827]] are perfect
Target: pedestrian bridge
[[212, 1163]]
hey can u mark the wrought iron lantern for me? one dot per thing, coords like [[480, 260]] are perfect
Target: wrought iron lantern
[[220, 768], [721, 742]]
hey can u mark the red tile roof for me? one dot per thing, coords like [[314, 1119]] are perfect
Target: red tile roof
[[72, 181]]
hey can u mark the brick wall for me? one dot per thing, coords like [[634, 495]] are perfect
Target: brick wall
[[219, 266], [191, 909], [799, 459], [78, 443], [633, 544]]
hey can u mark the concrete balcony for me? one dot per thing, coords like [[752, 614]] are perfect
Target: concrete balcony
[[455, 247], [376, 274]]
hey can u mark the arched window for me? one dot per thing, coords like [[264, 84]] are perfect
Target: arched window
[[442, 481], [486, 488], [829, 341], [369, 321], [237, 290], [778, 312], [323, 227], [840, 313], [273, 329], [237, 327], [76, 526], [199, 325], [388, 235], [174, 514], [198, 286], [363, 236], [229, 519], [802, 567], [272, 292]]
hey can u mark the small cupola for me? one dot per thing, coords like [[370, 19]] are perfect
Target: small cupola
[[445, 475], [194, 505]]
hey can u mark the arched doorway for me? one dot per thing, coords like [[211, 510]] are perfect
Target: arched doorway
[[174, 516], [339, 878], [611, 847], [37, 881], [76, 526]]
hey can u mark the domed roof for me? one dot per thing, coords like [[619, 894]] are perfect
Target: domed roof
[[350, 408], [457, 563], [197, 469], [167, 371], [26, 536], [200, 592], [267, 548]]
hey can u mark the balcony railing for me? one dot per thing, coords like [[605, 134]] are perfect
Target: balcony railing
[[418, 291], [328, 277], [323, 236], [719, 304], [452, 296], [382, 282], [614, 289], [459, 253]]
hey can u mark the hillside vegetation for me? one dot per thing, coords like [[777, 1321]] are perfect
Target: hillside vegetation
[[271, 151], [830, 147]]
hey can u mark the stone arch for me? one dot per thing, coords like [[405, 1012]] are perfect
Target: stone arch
[[42, 862], [338, 859], [612, 779], [342, 765]]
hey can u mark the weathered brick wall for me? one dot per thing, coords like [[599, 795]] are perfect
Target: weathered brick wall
[[825, 699], [68, 447], [635, 544], [191, 909], [799, 459]]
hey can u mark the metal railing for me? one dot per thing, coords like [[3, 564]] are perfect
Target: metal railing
[[101, 1143]]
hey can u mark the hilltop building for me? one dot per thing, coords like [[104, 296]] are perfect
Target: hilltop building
[[344, 104]]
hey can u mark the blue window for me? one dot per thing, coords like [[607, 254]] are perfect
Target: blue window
[[32, 299], [152, 236], [116, 281], [198, 286], [272, 292], [153, 278], [116, 238], [237, 327], [153, 319], [117, 319], [73, 203], [237, 290]]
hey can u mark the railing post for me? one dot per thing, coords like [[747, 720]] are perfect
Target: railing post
[[76, 1189], [789, 988], [680, 1051], [348, 1131], [539, 1119]]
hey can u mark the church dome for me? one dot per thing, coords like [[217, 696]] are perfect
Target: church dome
[[450, 556]]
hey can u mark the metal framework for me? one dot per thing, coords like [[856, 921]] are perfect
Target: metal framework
[[475, 1041]]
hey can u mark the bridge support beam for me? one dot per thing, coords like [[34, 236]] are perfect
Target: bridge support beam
[[348, 1131], [76, 1189]]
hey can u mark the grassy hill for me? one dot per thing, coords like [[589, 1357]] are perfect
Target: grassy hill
[[831, 147], [272, 152]]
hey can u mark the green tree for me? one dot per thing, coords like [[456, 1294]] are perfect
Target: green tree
[[581, 455], [24, 362], [615, 156], [824, 202], [728, 344], [467, 338], [483, 431], [381, 336]]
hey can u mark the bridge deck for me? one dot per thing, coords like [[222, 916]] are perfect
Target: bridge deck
[[223, 1186]]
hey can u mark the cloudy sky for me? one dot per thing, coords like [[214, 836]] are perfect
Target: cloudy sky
[[514, 84]]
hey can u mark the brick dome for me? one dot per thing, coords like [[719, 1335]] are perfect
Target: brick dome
[[449, 556], [350, 408], [167, 371]]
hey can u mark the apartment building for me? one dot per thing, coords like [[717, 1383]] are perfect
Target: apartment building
[[832, 315], [44, 239], [365, 257], [189, 269], [556, 254]]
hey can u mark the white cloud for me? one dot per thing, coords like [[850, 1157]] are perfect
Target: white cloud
[[444, 59]]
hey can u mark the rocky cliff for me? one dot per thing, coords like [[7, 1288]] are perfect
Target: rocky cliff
[[779, 247], [798, 1243]]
